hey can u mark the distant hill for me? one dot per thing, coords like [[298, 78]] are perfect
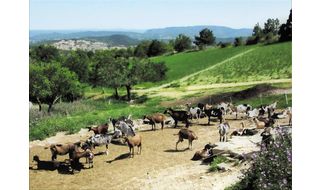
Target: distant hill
[[222, 33], [219, 32]]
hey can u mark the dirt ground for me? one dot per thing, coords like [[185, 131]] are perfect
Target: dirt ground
[[159, 166]]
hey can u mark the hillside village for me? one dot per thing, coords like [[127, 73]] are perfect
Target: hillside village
[[83, 45]]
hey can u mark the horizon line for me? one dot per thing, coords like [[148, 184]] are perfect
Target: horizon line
[[137, 29]]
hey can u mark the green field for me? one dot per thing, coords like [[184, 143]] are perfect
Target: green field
[[263, 63], [183, 64]]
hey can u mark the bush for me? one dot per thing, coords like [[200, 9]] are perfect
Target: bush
[[272, 167], [215, 162]]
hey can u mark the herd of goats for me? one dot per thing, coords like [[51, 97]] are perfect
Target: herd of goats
[[124, 129]]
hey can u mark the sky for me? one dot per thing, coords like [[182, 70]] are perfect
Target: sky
[[146, 14]]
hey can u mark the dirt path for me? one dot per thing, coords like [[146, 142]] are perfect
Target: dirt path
[[193, 74], [158, 167]]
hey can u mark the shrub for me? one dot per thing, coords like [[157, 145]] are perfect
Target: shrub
[[215, 162], [272, 167]]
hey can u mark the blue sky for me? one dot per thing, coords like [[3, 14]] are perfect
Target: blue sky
[[145, 14]]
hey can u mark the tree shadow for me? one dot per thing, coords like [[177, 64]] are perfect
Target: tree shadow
[[120, 157], [174, 150]]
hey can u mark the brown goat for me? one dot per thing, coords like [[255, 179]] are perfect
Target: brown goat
[[132, 142], [76, 155], [204, 153], [156, 118], [102, 129], [186, 134], [63, 149]]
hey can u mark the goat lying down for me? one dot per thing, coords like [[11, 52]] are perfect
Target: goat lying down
[[204, 153]]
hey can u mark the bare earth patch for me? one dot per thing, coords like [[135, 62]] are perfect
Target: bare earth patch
[[158, 167]]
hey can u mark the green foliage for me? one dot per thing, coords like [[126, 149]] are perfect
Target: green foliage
[[272, 167], [257, 34], [238, 41], [217, 160], [149, 71], [142, 49], [271, 26], [156, 48], [205, 38], [224, 44], [263, 63], [44, 53], [78, 62], [285, 31], [182, 43], [58, 82]]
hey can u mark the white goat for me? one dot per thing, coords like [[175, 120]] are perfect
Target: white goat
[[242, 108], [223, 131], [253, 113], [224, 106], [194, 111]]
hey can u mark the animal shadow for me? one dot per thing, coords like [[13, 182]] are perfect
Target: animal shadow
[[120, 157], [61, 167], [174, 150]]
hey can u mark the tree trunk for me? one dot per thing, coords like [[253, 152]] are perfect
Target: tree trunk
[[117, 94], [52, 103], [50, 107], [128, 87], [39, 103]]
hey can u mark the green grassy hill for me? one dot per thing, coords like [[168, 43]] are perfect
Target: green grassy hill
[[183, 64], [263, 63]]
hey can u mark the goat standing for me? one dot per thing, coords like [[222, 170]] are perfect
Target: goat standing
[[223, 131], [186, 134]]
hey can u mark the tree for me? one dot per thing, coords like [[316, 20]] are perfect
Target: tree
[[156, 48], [39, 84], [238, 41], [78, 62], [142, 49], [44, 53], [108, 71], [285, 30], [257, 33], [142, 71], [205, 38], [271, 26], [50, 82], [182, 43]]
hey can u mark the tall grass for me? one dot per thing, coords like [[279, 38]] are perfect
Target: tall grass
[[85, 113]]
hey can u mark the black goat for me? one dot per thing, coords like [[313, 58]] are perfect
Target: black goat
[[214, 112], [178, 116]]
